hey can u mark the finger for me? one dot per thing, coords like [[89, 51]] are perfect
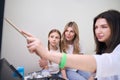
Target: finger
[[41, 66], [30, 39], [31, 48]]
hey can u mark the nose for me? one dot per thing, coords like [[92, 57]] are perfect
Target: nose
[[98, 30], [54, 39], [68, 32]]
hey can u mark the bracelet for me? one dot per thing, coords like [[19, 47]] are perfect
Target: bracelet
[[63, 61]]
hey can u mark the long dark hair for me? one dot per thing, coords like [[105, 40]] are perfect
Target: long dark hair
[[113, 19]]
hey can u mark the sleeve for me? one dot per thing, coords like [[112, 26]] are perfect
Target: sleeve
[[108, 64]]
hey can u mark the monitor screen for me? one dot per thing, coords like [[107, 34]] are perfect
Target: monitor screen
[[8, 72], [1, 21]]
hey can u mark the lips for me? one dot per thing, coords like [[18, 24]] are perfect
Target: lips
[[68, 37], [53, 42], [100, 36]]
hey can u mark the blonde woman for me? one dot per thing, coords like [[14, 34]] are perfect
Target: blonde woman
[[70, 45]]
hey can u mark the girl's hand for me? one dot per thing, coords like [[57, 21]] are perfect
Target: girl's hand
[[43, 63]]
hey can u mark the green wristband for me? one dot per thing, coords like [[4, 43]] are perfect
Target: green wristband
[[63, 61]]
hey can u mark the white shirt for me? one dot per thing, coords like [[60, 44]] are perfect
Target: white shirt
[[108, 65], [53, 67]]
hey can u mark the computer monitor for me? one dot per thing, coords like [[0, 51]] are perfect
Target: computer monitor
[[8, 72]]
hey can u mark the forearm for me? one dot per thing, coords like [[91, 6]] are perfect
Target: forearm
[[82, 62], [63, 72], [55, 57]]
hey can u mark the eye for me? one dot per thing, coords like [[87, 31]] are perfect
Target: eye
[[72, 31], [51, 36], [104, 26], [66, 30], [96, 27], [57, 37]]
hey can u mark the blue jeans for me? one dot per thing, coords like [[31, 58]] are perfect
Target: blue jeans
[[77, 75]]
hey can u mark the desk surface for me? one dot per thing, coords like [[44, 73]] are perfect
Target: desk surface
[[41, 75]]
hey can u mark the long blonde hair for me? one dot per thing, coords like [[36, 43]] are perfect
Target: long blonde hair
[[64, 45]]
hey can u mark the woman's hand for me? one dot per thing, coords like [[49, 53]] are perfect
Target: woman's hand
[[43, 63], [33, 44]]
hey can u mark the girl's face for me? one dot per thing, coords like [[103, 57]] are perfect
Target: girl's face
[[69, 34], [102, 30], [54, 39]]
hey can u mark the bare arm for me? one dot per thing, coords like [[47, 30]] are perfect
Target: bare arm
[[82, 62], [63, 72]]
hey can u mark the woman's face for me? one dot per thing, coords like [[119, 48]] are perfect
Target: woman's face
[[69, 34], [102, 30], [54, 39]]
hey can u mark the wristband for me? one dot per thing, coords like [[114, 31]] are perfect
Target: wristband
[[63, 61]]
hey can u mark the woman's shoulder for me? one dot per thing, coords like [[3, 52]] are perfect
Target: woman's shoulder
[[118, 45], [117, 49]]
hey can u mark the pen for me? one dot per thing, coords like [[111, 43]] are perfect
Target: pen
[[15, 27]]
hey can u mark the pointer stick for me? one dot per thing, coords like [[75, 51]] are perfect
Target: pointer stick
[[15, 27]]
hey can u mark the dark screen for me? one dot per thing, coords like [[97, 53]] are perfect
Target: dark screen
[[1, 21], [8, 72]]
